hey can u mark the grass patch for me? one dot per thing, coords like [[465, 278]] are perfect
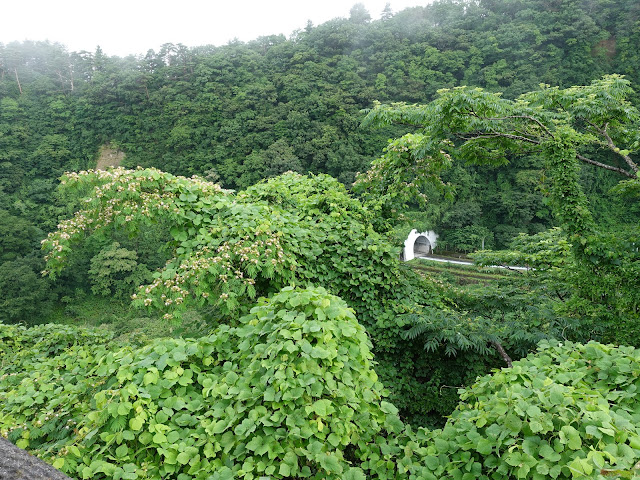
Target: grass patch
[[128, 323], [460, 274]]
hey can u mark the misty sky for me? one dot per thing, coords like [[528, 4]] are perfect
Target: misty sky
[[123, 27]]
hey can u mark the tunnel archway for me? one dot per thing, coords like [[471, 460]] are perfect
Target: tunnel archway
[[419, 244], [421, 247]]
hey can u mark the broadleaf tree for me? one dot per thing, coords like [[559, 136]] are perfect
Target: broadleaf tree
[[228, 249], [593, 124]]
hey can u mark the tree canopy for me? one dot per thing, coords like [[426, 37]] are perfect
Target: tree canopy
[[558, 128], [283, 378], [483, 128]]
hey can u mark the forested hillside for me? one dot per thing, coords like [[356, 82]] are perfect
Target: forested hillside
[[239, 113], [241, 261], [242, 112]]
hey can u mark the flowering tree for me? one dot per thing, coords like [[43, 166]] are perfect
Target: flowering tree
[[230, 248], [211, 263]]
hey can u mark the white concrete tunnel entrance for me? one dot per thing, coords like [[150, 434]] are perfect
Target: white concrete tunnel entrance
[[418, 245], [421, 247]]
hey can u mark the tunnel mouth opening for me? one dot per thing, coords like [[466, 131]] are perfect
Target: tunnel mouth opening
[[421, 247]]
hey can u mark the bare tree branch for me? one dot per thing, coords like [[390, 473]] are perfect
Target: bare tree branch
[[619, 170], [503, 135], [615, 149], [527, 117], [495, 344], [533, 141], [612, 146], [18, 80]]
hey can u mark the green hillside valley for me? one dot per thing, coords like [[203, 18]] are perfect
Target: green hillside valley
[[202, 273]]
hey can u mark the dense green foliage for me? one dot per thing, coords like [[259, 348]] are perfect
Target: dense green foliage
[[241, 112], [601, 291], [290, 392], [566, 412], [227, 250], [116, 272], [558, 128], [289, 388]]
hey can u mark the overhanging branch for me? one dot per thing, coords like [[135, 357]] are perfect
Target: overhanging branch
[[619, 170], [502, 135], [525, 117], [612, 146], [505, 356]]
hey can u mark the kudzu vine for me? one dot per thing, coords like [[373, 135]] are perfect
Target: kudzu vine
[[290, 392]]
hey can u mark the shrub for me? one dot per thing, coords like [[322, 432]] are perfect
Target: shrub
[[288, 392], [115, 271], [567, 411]]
